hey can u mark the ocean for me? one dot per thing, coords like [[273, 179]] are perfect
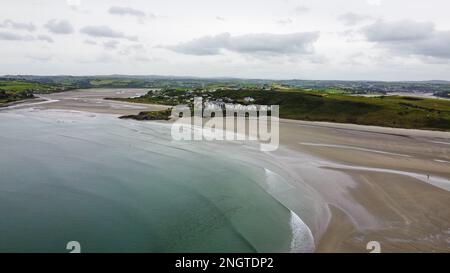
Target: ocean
[[125, 186]]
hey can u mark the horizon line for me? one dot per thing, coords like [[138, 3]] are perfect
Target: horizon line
[[206, 77]]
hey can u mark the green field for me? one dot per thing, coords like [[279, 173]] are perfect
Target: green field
[[332, 104], [110, 83], [11, 91], [388, 111]]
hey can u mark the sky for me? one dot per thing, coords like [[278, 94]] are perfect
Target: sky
[[270, 39]]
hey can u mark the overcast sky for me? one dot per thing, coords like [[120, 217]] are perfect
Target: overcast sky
[[276, 39]]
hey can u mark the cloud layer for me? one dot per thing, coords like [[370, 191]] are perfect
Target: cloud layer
[[256, 43], [324, 39], [126, 11], [352, 18], [18, 25], [59, 26], [10, 36], [105, 32], [410, 37], [405, 30]]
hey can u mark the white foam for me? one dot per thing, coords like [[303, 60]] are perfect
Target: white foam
[[302, 238], [440, 142], [441, 161], [437, 181], [352, 148]]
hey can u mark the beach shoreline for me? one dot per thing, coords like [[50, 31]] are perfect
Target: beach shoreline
[[402, 212]]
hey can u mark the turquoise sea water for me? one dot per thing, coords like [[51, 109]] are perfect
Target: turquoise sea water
[[125, 186]]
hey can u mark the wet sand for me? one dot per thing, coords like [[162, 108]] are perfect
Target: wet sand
[[91, 100], [383, 184], [397, 207]]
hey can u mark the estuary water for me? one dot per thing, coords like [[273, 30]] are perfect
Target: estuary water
[[125, 186]]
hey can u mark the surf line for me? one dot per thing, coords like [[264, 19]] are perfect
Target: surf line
[[351, 148]]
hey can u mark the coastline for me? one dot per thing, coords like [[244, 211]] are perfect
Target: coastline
[[9, 105], [403, 213], [89, 100], [370, 128]]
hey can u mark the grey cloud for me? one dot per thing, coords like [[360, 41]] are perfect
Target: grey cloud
[[405, 30], [136, 48], [105, 59], [436, 45], [126, 11], [59, 26], [142, 58], [17, 25], [90, 42], [9, 36], [256, 44], [111, 44], [102, 31], [275, 43], [45, 38], [106, 32], [411, 38], [208, 45], [301, 9], [351, 18]]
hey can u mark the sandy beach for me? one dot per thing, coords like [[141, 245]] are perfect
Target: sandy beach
[[402, 211], [380, 184]]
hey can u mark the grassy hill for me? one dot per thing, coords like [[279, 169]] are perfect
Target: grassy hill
[[388, 111], [13, 90]]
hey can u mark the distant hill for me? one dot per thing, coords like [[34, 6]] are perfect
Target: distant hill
[[148, 81]]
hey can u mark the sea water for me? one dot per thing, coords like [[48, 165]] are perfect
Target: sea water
[[125, 186]]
